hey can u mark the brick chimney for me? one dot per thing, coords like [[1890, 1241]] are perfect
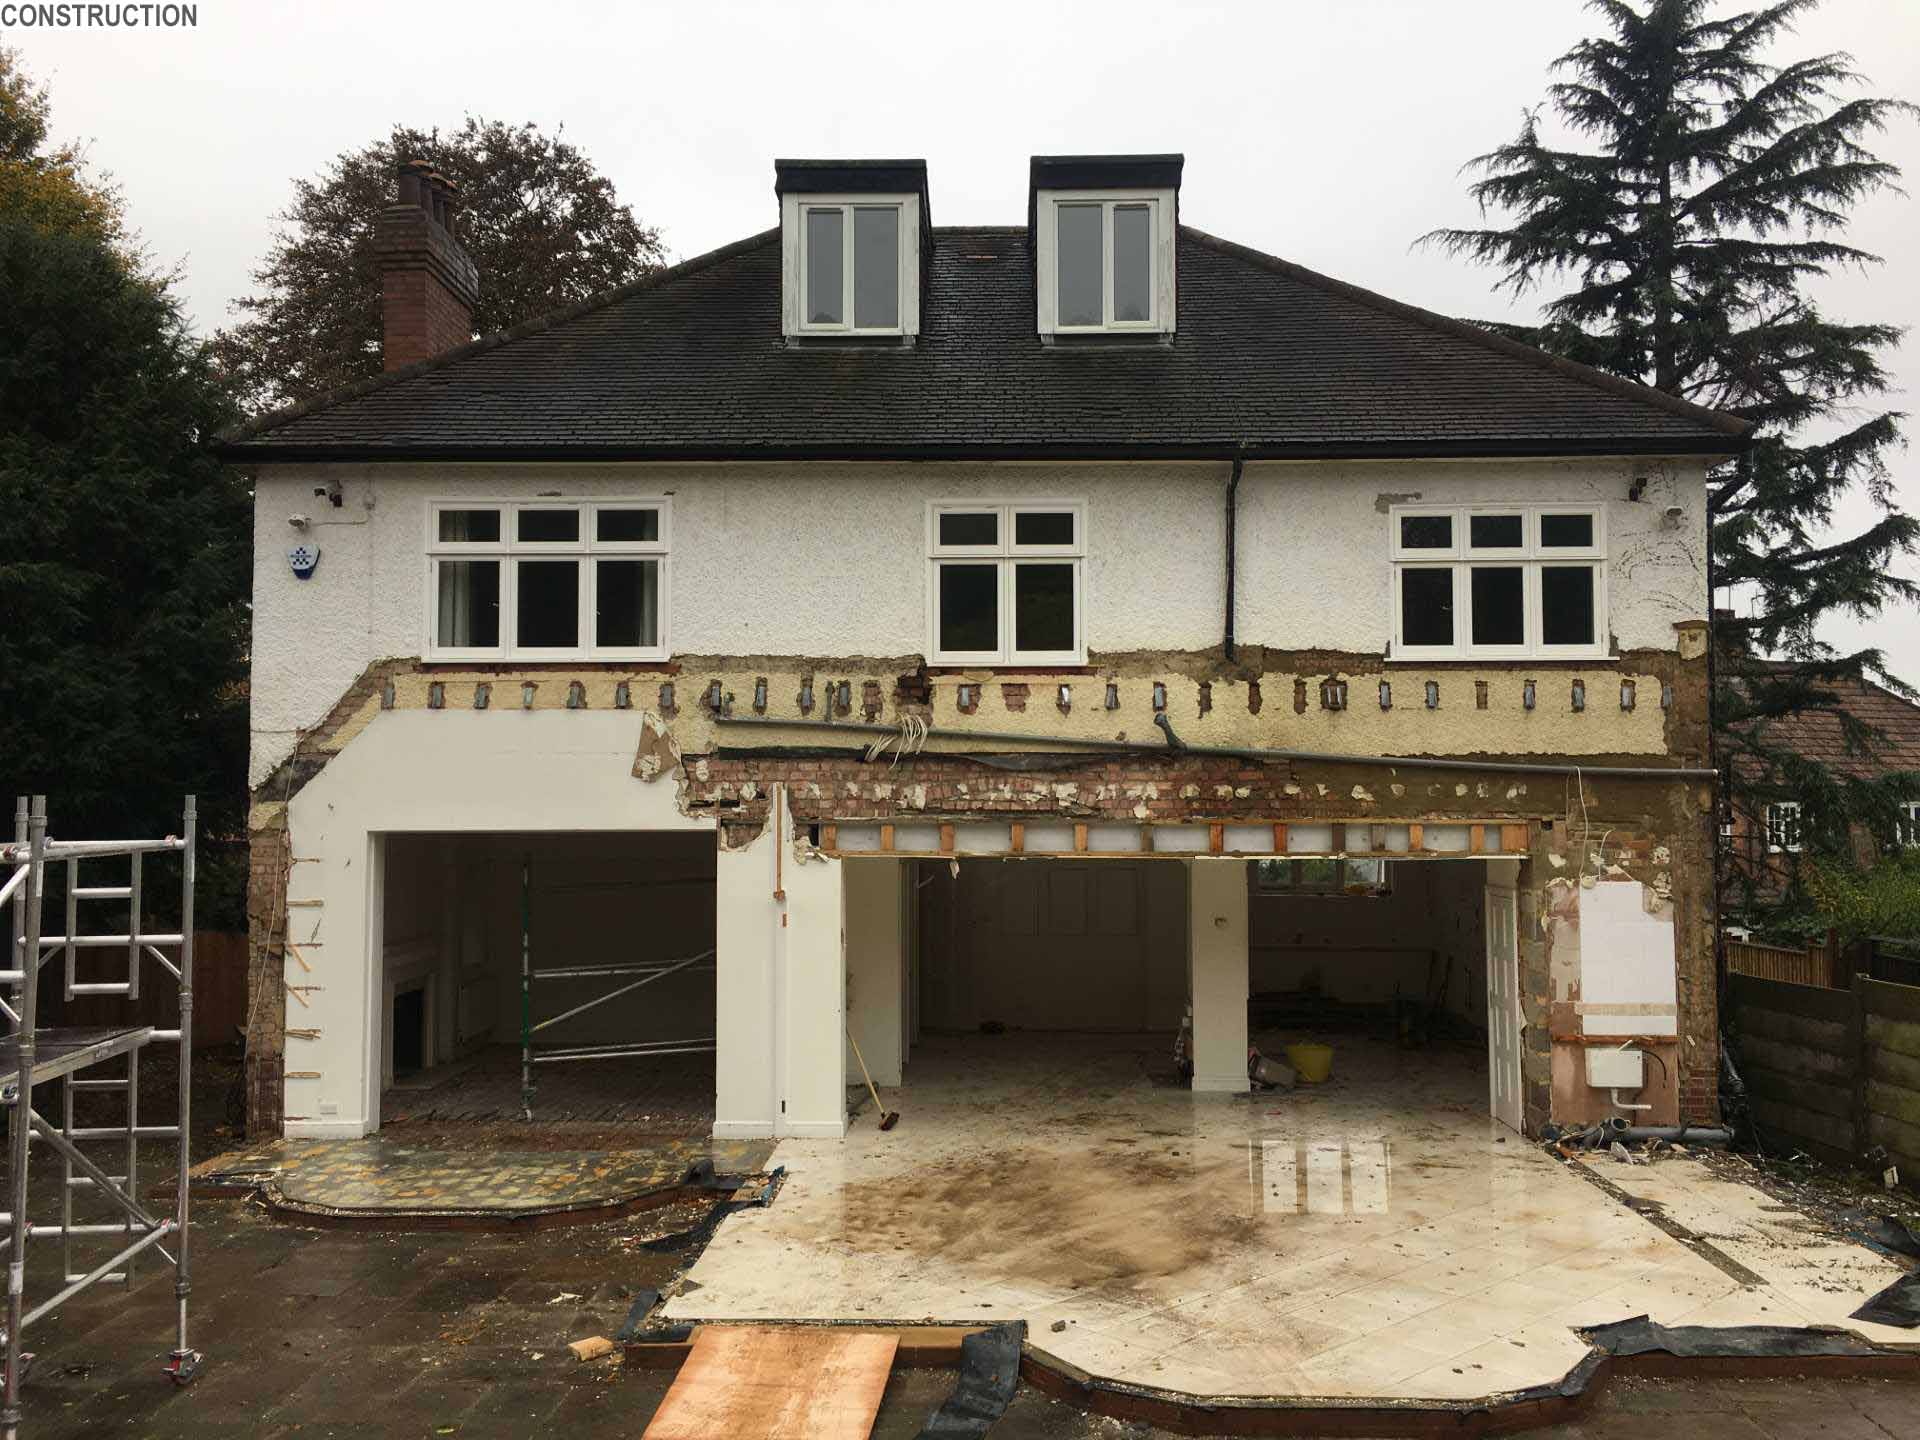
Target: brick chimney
[[428, 285]]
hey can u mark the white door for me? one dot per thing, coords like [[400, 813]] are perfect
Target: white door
[[1503, 1008]]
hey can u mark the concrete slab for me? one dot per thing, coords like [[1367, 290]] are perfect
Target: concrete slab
[[1377, 1237]]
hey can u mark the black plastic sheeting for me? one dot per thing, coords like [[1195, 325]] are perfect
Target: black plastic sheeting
[[1641, 1336], [989, 1374], [1898, 1304], [746, 1196]]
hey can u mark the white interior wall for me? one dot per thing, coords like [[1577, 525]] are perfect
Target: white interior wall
[[1054, 945], [1354, 948], [876, 967]]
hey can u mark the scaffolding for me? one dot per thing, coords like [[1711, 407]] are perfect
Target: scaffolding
[[31, 1056], [648, 971]]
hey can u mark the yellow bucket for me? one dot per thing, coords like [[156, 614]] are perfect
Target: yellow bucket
[[1313, 1063]]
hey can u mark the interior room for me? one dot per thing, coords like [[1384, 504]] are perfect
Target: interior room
[[628, 921]]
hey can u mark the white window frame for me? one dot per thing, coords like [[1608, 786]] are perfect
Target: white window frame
[[1906, 829], [1161, 255], [1783, 821], [1342, 886], [1531, 557], [907, 276], [1006, 554], [587, 550]]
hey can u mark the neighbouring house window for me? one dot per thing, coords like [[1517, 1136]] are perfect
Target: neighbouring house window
[[850, 264], [547, 579], [1329, 876], [1783, 826], [1907, 827], [1498, 582], [1005, 583], [1105, 260]]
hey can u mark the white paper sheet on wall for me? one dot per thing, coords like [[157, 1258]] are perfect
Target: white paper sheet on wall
[[1626, 963]]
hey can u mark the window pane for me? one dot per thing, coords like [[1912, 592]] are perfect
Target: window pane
[[469, 604], [1318, 874], [1132, 262], [1043, 527], [1426, 532], [1563, 532], [470, 526], [825, 303], [1426, 607], [626, 604], [1274, 874], [549, 525], [969, 527], [969, 608], [626, 526], [1499, 612], [549, 616], [1369, 873], [1495, 532], [1566, 605], [1077, 265], [876, 268], [1043, 607]]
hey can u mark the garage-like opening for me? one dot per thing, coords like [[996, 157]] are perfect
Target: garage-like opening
[[1007, 966], [595, 947], [1397, 967]]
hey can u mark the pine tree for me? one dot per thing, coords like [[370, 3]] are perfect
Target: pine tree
[[1689, 190]]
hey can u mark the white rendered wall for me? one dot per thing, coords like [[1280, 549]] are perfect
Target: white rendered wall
[[1217, 956], [437, 771], [829, 560], [876, 966]]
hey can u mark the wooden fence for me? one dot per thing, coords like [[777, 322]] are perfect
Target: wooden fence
[[1811, 966], [219, 993], [1832, 1072]]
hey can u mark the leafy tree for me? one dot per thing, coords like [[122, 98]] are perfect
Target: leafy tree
[[1689, 192], [124, 553], [48, 186], [541, 223]]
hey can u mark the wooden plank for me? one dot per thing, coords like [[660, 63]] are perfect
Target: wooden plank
[[1900, 1138], [1477, 839], [1079, 839], [1513, 839], [1890, 1067], [1885, 1034], [1816, 1002], [1834, 1099], [1279, 838], [1216, 839], [1801, 1062], [829, 837], [886, 837], [946, 839], [1416, 838], [1821, 1135], [1894, 1102], [796, 1383], [1827, 1035], [1016, 837]]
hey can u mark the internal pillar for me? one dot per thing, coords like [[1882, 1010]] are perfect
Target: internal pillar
[[1217, 973]]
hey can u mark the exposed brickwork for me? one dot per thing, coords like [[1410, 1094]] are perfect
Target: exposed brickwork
[[266, 994]]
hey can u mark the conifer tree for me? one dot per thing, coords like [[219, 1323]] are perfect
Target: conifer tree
[[1688, 187]]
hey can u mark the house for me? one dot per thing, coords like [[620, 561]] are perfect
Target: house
[[1764, 820], [881, 630]]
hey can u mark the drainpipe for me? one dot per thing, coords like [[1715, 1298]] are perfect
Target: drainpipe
[[1233, 510]]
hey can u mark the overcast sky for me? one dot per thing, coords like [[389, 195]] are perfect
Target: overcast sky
[[1330, 133]]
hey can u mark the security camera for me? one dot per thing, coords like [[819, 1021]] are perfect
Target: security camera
[[299, 522]]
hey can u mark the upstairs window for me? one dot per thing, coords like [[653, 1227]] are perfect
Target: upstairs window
[[1105, 262], [547, 580], [1004, 583], [1783, 827], [1498, 582], [852, 265], [1906, 830]]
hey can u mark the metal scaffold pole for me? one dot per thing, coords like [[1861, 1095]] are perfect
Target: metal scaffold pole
[[32, 1055]]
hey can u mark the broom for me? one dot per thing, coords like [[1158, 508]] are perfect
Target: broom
[[888, 1118]]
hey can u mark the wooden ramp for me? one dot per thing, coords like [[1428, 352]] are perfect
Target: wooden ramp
[[793, 1383]]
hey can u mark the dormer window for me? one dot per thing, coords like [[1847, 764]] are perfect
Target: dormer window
[[850, 248], [1104, 244]]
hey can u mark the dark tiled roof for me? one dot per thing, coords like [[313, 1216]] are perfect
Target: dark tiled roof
[[1817, 735], [1269, 356]]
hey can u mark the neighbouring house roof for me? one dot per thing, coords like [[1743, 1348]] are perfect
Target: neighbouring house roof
[[1271, 360], [1816, 734]]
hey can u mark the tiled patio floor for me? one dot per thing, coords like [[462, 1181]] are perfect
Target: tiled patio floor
[[1377, 1236]]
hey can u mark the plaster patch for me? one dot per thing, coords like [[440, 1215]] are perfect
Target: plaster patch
[[1361, 793]]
